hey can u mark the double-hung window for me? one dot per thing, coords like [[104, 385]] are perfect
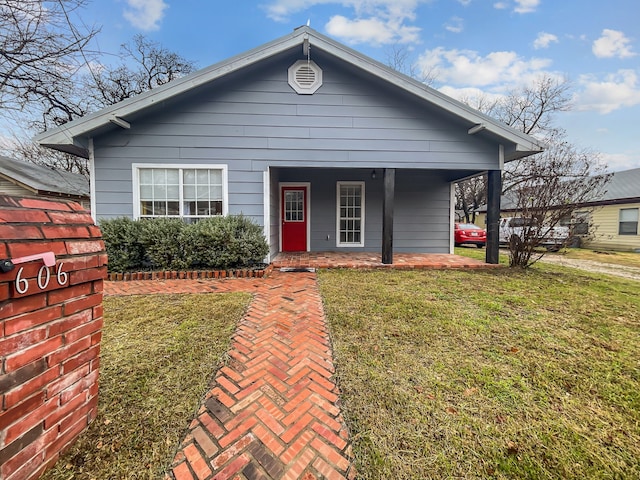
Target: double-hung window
[[350, 214], [189, 192], [628, 224]]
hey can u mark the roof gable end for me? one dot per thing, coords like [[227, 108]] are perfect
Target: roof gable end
[[71, 136]]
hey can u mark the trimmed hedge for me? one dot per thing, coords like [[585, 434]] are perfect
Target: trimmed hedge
[[220, 243]]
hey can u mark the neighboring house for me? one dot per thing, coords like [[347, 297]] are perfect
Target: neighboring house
[[28, 179], [325, 148], [609, 222]]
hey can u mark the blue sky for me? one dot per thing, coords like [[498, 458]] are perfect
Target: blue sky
[[469, 45]]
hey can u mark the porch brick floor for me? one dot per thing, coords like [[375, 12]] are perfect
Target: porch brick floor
[[374, 260]]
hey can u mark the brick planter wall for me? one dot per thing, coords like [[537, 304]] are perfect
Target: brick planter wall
[[50, 331]]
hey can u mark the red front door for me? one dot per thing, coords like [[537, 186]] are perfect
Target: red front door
[[294, 219]]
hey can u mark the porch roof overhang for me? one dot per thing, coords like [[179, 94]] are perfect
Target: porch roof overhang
[[73, 137]]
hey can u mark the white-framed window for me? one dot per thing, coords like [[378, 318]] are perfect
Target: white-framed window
[[350, 214], [190, 192], [628, 224]]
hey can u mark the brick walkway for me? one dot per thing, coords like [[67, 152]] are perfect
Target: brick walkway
[[272, 411]]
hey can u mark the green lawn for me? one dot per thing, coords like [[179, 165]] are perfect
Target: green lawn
[[444, 374], [488, 374], [159, 353]]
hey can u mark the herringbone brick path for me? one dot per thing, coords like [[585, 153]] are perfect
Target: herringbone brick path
[[272, 412]]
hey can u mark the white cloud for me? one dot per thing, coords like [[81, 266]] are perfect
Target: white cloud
[[544, 39], [615, 91], [468, 68], [455, 25], [373, 21], [612, 43], [464, 2], [145, 14], [526, 6], [371, 30], [521, 6]]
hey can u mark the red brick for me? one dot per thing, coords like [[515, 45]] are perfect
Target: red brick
[[69, 292], [33, 319], [26, 455], [67, 380], [199, 465], [24, 249], [82, 276], [42, 204], [96, 337], [84, 247], [68, 351], [207, 445], [20, 232], [63, 410], [65, 438], [78, 415], [85, 357], [65, 324], [28, 355], [52, 231], [64, 218], [15, 412], [23, 216], [23, 305], [15, 343], [25, 470], [88, 302], [34, 385], [84, 331], [30, 420], [182, 472]]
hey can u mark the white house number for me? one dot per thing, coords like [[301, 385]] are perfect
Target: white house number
[[42, 279]]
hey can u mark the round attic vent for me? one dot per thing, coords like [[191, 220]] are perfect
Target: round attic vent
[[305, 77]]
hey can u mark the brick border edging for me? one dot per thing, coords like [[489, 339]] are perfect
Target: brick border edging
[[190, 274]]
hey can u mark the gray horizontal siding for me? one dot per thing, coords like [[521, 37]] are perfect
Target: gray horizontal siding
[[258, 122]]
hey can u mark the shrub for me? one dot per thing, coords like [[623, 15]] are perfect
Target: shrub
[[161, 238], [122, 238], [170, 244], [224, 242]]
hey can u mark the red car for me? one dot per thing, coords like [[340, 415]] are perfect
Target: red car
[[468, 233]]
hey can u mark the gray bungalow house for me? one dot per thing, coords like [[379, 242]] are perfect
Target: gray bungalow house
[[324, 147]]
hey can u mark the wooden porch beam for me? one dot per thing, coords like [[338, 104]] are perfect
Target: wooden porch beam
[[389, 181], [494, 190]]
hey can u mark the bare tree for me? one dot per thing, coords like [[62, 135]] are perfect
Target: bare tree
[[145, 65], [470, 195], [399, 58], [552, 185], [39, 49]]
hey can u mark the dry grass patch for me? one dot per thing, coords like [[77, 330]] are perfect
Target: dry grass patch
[[158, 355], [488, 374]]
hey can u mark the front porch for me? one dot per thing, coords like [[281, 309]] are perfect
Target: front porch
[[366, 260]]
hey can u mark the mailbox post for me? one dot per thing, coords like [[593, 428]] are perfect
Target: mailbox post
[[52, 265]]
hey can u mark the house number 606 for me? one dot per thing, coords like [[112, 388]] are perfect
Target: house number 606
[[43, 278]]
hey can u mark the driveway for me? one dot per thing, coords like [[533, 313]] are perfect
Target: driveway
[[624, 271]]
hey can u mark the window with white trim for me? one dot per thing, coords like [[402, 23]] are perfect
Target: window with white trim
[[187, 192], [628, 221], [350, 214]]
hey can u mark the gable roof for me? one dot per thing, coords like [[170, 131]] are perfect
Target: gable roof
[[72, 137], [43, 180]]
